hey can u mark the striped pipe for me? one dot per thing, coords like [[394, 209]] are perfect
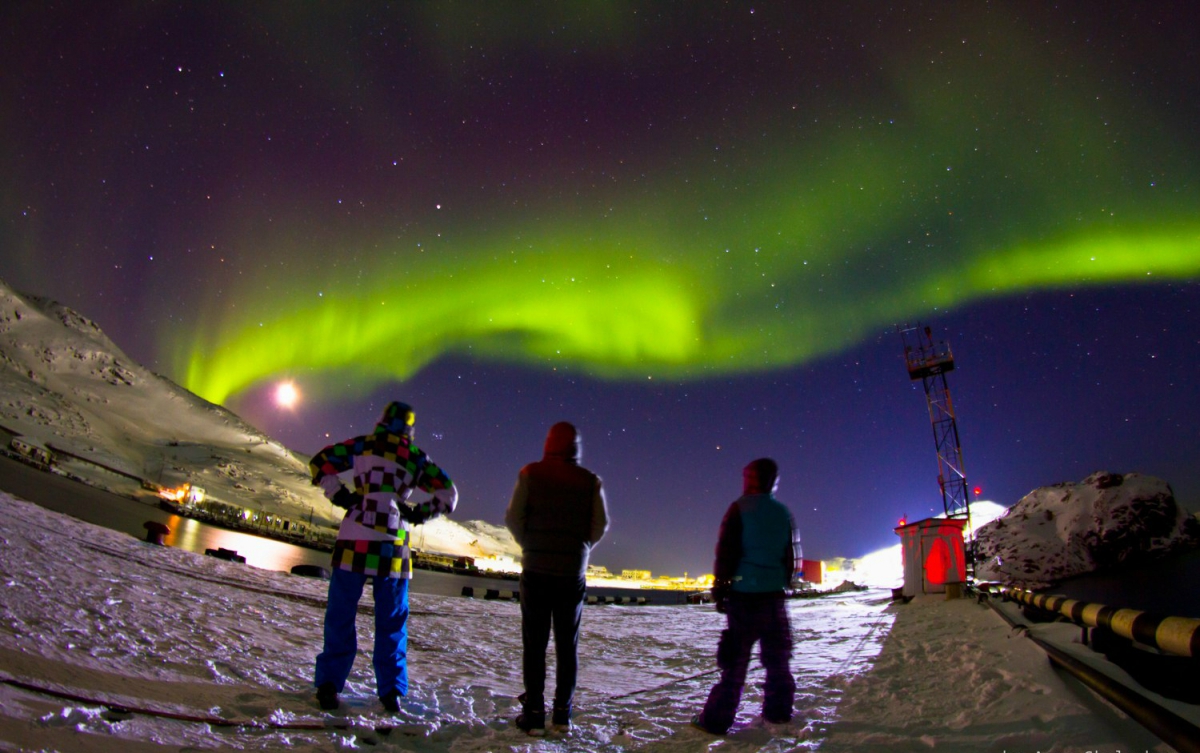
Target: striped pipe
[[1179, 636], [1171, 728]]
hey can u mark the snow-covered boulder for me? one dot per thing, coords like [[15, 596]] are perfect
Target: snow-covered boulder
[[1105, 521]]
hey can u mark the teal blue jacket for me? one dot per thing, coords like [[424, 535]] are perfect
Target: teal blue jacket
[[758, 549]]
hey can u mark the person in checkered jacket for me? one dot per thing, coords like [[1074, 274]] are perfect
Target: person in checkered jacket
[[373, 543]]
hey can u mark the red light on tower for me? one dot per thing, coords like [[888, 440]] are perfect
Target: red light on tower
[[903, 521], [978, 490]]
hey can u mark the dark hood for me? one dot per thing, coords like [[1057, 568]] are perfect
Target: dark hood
[[760, 477], [562, 442]]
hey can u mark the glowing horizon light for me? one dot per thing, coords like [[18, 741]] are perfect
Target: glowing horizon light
[[884, 568], [287, 395]]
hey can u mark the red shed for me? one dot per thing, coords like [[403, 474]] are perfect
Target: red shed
[[933, 554], [814, 571]]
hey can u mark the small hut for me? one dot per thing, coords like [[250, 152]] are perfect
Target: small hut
[[934, 555]]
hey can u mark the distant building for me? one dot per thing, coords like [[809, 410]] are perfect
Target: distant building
[[32, 450], [598, 571], [813, 572], [635, 574]]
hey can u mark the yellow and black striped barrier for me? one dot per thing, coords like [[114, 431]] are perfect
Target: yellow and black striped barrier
[[1179, 636]]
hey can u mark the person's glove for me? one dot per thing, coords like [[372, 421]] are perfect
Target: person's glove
[[345, 498], [417, 514]]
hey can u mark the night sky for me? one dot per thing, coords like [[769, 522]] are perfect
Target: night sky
[[689, 228]]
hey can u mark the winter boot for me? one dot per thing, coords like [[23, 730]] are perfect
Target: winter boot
[[390, 701], [327, 696], [532, 722], [698, 723], [561, 716]]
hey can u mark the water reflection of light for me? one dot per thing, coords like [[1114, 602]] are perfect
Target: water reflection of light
[[268, 554], [260, 552], [185, 534]]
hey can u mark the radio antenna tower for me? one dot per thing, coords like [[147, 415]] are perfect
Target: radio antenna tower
[[929, 362]]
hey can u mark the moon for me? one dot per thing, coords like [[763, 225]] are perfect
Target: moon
[[286, 395]]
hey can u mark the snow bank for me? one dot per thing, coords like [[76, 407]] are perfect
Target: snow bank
[[953, 676]]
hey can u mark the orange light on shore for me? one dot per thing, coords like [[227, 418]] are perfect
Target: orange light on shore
[[174, 495], [181, 494]]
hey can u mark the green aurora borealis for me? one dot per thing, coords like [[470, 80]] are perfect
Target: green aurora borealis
[[625, 317], [343, 196], [751, 260]]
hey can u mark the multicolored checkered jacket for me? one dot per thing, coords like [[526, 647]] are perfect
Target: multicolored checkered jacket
[[373, 538]]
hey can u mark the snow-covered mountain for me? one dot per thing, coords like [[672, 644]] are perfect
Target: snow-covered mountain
[[1104, 522], [66, 386]]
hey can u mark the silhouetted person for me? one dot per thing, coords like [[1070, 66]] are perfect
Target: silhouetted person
[[758, 551], [557, 514], [373, 543]]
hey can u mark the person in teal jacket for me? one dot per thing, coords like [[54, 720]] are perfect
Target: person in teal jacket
[[758, 553]]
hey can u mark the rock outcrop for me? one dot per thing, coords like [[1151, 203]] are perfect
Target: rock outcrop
[[1107, 521]]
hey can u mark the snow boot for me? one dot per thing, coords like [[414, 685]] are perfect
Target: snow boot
[[532, 723], [390, 701], [698, 723], [561, 717], [327, 696]]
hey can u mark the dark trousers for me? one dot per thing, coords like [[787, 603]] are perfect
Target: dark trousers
[[752, 619], [550, 600]]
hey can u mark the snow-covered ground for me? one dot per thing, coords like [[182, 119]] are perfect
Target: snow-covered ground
[[99, 614], [109, 621]]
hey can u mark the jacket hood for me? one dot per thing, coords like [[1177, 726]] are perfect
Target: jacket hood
[[562, 442], [397, 418], [760, 477]]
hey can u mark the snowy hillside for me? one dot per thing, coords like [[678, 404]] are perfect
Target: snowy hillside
[[1106, 521], [66, 386]]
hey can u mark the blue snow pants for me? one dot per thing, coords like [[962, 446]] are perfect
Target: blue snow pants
[[550, 601], [390, 657], [753, 618]]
